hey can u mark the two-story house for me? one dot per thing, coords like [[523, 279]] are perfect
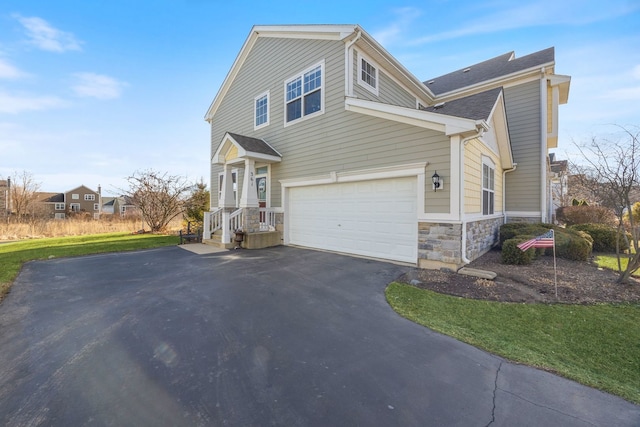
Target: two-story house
[[78, 200], [321, 138], [5, 198]]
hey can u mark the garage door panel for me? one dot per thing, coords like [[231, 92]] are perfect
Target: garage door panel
[[372, 218]]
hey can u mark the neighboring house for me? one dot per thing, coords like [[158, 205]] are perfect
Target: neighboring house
[[5, 198], [107, 205], [558, 184], [78, 200], [323, 139], [124, 206]]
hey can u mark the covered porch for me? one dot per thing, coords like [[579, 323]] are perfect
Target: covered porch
[[250, 213]]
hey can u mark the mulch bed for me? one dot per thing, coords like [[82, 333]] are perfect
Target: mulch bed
[[579, 282]]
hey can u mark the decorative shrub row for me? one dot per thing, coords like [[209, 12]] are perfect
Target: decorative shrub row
[[604, 237], [570, 244]]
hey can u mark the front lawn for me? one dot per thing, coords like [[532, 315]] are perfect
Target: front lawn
[[596, 345], [14, 254], [610, 261]]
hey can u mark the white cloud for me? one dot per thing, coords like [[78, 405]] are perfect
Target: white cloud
[[46, 37], [14, 104], [404, 17], [97, 86], [636, 72], [9, 71]]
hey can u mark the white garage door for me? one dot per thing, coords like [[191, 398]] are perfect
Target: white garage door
[[371, 218]]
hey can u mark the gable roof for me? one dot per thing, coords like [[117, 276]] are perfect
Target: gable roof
[[247, 148], [51, 197], [254, 145], [494, 68], [475, 107]]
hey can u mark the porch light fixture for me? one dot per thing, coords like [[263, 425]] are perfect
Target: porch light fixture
[[436, 181]]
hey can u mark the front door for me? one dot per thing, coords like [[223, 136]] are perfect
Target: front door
[[261, 184]]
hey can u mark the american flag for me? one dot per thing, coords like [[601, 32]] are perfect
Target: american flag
[[545, 240]]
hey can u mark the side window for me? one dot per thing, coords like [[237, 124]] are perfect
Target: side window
[[303, 94], [367, 74], [488, 182], [261, 110]]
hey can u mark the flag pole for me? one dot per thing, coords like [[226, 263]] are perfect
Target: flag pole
[[555, 270]]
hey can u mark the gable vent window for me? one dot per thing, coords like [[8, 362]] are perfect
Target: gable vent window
[[261, 110], [303, 94], [488, 177], [368, 75]]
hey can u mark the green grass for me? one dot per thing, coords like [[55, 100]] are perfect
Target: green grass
[[610, 261], [14, 254], [596, 345]]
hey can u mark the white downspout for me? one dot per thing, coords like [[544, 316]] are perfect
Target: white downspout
[[463, 142], [543, 145], [348, 84], [504, 190]]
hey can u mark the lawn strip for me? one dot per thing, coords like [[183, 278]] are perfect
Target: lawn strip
[[596, 345]]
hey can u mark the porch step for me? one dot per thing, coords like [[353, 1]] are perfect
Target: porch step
[[216, 240]]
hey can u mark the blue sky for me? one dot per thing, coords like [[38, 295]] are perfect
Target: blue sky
[[91, 91]]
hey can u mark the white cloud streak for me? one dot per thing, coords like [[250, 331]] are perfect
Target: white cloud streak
[[99, 86], [44, 36], [9, 71], [14, 104]]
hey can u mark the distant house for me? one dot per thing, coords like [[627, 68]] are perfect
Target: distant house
[[320, 135], [120, 205], [73, 202]]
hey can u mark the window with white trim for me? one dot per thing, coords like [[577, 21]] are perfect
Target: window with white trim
[[96, 206], [488, 184], [367, 75], [89, 196], [303, 94], [59, 206], [261, 110], [74, 207], [75, 196]]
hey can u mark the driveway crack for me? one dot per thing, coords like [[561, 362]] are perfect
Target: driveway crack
[[495, 391]]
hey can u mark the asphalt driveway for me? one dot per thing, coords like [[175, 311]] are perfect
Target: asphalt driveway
[[281, 336]]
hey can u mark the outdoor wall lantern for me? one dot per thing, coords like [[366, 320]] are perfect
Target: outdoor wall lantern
[[436, 181]]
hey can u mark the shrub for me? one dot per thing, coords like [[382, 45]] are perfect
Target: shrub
[[604, 237], [570, 244], [585, 214], [511, 254]]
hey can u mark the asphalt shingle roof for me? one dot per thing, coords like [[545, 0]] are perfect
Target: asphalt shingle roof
[[496, 67], [474, 107], [254, 145]]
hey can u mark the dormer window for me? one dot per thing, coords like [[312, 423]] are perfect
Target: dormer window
[[368, 75]]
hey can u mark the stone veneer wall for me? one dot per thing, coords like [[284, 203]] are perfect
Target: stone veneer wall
[[251, 220], [439, 245], [481, 236], [527, 219]]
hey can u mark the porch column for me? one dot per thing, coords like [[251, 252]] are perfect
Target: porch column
[[226, 198], [249, 198]]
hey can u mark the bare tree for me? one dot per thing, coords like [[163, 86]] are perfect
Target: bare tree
[[24, 195], [160, 197], [612, 174]]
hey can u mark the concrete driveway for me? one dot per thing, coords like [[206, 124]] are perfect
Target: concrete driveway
[[281, 336]]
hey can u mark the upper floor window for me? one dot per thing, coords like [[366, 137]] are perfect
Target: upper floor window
[[59, 206], [96, 206], [368, 75], [89, 196], [75, 196], [488, 182], [303, 94], [261, 110]]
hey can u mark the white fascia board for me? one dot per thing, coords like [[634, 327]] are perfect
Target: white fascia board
[[320, 32], [564, 83], [498, 117], [448, 125], [316, 32], [268, 158]]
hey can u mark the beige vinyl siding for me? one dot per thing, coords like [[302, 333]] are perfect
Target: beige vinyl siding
[[337, 140], [474, 151], [389, 92], [523, 116]]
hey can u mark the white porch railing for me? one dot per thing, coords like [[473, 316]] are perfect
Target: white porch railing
[[227, 222], [267, 219]]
